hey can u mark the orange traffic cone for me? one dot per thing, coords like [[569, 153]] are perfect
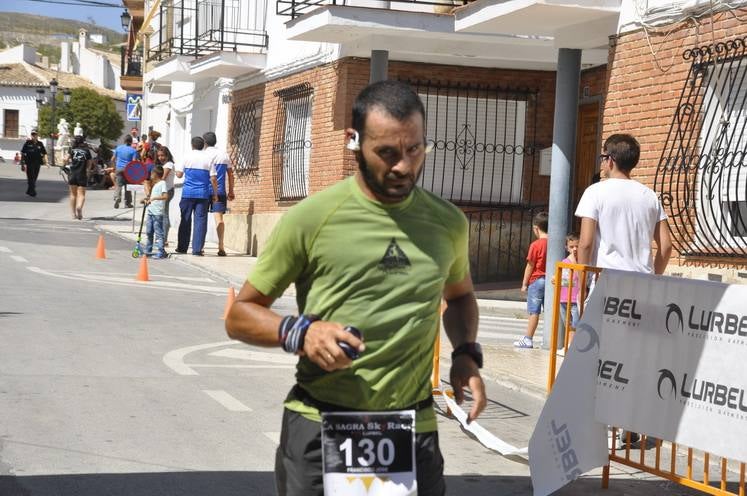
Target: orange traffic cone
[[142, 274], [230, 298], [100, 248]]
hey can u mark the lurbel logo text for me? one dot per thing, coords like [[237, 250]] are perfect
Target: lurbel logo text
[[695, 392], [706, 323], [622, 311], [562, 447], [610, 375]]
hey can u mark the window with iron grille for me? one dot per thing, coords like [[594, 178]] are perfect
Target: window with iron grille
[[291, 149], [247, 125], [478, 144], [702, 174]]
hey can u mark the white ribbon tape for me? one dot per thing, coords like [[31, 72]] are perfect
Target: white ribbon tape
[[485, 437]]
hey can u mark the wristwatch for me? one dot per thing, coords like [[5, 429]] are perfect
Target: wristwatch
[[474, 350]]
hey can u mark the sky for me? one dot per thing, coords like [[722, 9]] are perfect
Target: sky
[[103, 16]]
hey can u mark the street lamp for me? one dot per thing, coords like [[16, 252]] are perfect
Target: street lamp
[[125, 18], [53, 90], [41, 100]]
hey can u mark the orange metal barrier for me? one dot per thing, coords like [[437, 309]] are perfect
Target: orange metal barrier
[[663, 461], [581, 275]]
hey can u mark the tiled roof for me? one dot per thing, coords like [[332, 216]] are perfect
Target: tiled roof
[[18, 75], [24, 74], [67, 80]]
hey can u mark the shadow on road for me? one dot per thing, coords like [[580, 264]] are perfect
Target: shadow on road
[[47, 191], [262, 483]]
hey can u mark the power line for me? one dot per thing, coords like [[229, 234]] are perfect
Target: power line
[[81, 3]]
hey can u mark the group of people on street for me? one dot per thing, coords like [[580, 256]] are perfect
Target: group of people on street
[[206, 169], [372, 258], [208, 186]]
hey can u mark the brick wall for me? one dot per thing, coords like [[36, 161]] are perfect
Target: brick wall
[[335, 87], [644, 88], [255, 192], [646, 81], [595, 79]]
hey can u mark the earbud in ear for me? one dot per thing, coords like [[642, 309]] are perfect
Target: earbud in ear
[[354, 144], [429, 146]]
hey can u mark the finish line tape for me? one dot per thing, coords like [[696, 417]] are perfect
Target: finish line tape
[[483, 436]]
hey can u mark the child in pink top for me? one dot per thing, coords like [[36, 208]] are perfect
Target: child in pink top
[[571, 245]]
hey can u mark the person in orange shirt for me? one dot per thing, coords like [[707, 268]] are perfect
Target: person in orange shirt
[[533, 283]]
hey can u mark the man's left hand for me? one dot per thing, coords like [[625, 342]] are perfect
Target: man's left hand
[[465, 374], [231, 196]]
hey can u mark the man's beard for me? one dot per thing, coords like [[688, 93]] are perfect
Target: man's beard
[[378, 188]]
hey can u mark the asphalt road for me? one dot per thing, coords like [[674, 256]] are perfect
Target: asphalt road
[[113, 386], [110, 386]]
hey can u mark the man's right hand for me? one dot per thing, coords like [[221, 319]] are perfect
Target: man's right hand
[[320, 345]]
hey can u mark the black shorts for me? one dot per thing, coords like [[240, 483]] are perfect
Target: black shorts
[[77, 177], [298, 460]]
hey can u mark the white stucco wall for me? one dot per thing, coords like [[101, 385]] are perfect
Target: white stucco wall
[[23, 100], [636, 13], [89, 64], [283, 52], [17, 54]]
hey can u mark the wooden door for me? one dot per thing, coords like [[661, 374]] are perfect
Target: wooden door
[[11, 124], [587, 149]]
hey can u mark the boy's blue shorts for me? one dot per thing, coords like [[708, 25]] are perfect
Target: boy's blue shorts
[[536, 296]]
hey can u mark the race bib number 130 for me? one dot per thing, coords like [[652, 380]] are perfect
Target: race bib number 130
[[369, 453]]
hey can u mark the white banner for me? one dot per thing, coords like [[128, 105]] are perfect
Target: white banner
[[656, 355], [671, 363], [567, 440]]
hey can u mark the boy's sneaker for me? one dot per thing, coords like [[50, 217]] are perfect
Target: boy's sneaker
[[524, 342]]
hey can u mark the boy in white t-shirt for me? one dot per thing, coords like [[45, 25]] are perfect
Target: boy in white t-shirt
[[620, 217], [156, 205]]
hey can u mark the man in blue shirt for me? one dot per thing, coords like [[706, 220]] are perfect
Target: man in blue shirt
[[224, 173], [200, 185], [123, 155]]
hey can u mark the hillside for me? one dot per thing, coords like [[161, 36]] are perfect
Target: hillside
[[46, 33]]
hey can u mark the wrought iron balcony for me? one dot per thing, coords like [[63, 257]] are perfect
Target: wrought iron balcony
[[296, 8], [131, 70], [197, 28], [132, 63]]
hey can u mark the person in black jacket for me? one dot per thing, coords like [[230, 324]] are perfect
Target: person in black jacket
[[33, 154]]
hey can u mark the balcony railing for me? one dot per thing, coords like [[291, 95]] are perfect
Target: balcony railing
[[198, 28], [296, 8], [132, 62]]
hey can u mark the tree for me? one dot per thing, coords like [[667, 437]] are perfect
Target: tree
[[96, 113]]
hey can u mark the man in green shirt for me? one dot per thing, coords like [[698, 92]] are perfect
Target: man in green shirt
[[376, 253]]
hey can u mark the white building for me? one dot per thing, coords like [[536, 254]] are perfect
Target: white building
[[100, 68], [21, 76], [282, 75]]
